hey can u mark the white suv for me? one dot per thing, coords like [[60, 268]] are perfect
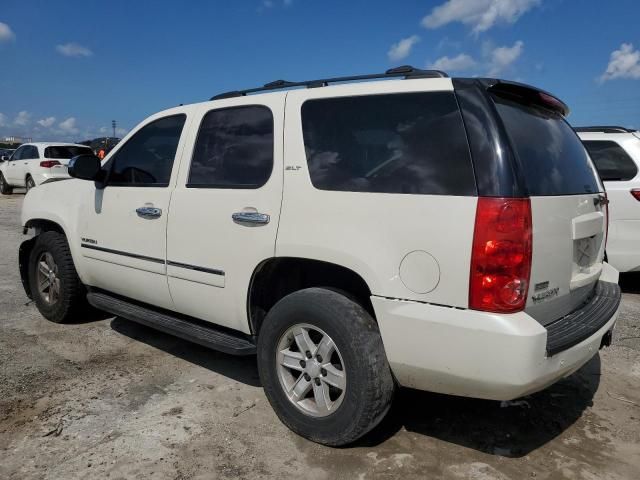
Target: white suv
[[616, 154], [436, 233], [34, 163]]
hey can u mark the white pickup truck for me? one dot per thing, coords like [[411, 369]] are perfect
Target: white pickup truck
[[442, 234]]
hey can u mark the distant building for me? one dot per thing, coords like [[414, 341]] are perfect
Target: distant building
[[16, 139]]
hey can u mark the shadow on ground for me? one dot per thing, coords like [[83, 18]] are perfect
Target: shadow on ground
[[241, 369], [513, 430]]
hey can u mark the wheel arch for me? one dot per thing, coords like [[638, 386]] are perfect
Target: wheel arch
[[276, 277], [40, 225]]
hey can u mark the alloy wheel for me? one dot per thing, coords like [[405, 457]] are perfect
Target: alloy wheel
[[311, 370], [48, 281]]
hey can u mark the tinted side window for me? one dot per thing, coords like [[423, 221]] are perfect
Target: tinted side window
[[17, 155], [234, 149], [147, 158], [411, 143], [33, 152], [550, 155], [612, 162]]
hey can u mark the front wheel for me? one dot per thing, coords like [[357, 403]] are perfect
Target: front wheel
[[323, 366], [54, 283], [5, 188]]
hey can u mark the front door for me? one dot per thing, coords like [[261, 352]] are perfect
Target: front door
[[124, 237], [225, 208]]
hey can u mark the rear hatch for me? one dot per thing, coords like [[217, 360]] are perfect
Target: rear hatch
[[568, 204], [58, 156]]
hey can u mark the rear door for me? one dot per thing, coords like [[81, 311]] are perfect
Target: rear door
[[225, 209], [567, 206], [29, 156]]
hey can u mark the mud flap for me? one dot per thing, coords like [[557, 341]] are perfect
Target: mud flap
[[23, 263]]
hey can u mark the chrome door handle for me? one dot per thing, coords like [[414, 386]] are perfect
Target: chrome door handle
[[251, 218], [149, 212]]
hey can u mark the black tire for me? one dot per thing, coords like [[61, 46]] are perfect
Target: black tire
[[5, 188], [29, 183], [71, 299], [370, 385]]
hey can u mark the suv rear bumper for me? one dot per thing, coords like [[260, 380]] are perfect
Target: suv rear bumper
[[483, 355], [41, 177]]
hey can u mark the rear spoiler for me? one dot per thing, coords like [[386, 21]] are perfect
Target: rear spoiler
[[526, 94]]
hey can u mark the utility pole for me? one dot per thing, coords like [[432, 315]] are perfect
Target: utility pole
[[113, 125]]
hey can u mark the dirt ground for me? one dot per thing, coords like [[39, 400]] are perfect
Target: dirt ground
[[112, 399]]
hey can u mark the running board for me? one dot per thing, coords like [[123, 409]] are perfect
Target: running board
[[193, 330]]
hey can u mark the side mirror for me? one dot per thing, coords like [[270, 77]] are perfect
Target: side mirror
[[85, 167], [4, 158]]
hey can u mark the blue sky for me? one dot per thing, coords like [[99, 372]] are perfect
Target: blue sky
[[68, 68]]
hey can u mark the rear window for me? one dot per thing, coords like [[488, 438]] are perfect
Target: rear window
[[66, 152], [411, 143], [612, 162], [551, 156]]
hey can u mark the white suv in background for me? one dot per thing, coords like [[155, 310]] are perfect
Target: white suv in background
[[34, 163], [436, 233], [616, 154]]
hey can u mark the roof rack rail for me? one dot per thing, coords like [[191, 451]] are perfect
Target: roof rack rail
[[406, 71], [604, 129]]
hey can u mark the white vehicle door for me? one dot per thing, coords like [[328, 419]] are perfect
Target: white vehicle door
[[123, 226], [225, 208], [10, 166], [14, 168], [28, 159]]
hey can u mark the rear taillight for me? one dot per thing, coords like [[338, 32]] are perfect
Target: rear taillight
[[501, 255], [49, 163], [636, 193]]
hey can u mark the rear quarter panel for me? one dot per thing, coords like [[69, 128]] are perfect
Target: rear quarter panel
[[371, 233]]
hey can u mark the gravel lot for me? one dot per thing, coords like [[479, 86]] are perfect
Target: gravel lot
[[111, 399]]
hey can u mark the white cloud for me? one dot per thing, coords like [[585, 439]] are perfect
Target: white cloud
[[6, 34], [73, 50], [457, 63], [68, 125], [22, 119], [623, 63], [3, 120], [480, 15], [47, 122], [501, 58], [402, 49]]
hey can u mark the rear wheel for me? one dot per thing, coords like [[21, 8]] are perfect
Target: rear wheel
[[30, 183], [53, 280], [5, 188], [323, 366]]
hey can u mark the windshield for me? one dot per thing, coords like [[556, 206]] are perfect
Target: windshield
[[66, 152], [551, 156]]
